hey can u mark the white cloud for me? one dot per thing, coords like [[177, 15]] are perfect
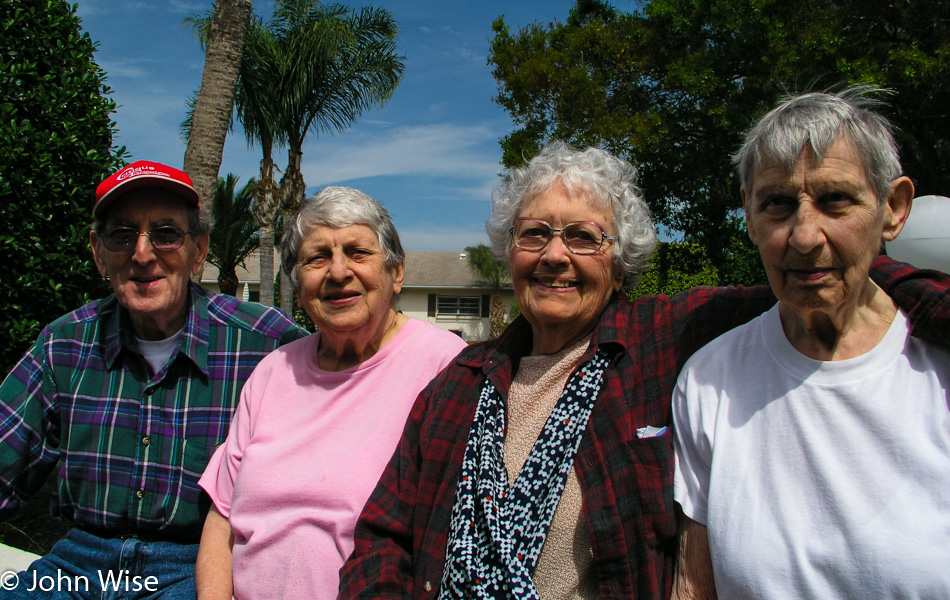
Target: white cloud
[[149, 126], [189, 8], [133, 68], [478, 58], [440, 240], [441, 150]]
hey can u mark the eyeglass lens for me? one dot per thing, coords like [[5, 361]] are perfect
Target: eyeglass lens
[[162, 238], [580, 238]]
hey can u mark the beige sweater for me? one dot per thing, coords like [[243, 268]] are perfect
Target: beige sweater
[[564, 568]]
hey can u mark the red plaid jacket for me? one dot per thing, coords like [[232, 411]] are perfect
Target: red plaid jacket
[[626, 481]]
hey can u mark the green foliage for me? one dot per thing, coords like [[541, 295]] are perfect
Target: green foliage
[[514, 311], [233, 230], [678, 266], [483, 264], [672, 86], [55, 147], [675, 267], [743, 265]]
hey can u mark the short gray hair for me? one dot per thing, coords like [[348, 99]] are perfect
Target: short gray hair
[[606, 180], [815, 121], [339, 206]]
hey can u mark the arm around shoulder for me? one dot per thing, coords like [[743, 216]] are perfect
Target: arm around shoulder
[[701, 314], [923, 294]]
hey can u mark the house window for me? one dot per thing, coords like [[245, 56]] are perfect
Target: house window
[[458, 306]]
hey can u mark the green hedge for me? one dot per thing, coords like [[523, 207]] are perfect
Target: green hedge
[[55, 146]]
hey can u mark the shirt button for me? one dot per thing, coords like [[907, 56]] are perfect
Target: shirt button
[[149, 391], [146, 441], [140, 494], [428, 586]]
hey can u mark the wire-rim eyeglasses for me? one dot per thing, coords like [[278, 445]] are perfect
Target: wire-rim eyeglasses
[[124, 239], [579, 237]]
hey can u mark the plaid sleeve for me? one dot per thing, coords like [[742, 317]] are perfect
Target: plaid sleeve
[[923, 294], [702, 314], [28, 437]]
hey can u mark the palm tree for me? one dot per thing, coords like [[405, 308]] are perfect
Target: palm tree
[[484, 265], [310, 68], [234, 230], [344, 62], [255, 105], [211, 114]]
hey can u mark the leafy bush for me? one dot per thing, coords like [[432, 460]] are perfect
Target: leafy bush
[[675, 267], [55, 146]]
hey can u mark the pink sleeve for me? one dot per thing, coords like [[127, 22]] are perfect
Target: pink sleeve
[[221, 473]]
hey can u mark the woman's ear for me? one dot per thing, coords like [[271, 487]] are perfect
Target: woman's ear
[[399, 275]]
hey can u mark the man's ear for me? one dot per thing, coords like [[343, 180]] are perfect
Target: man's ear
[[897, 207], [96, 244], [202, 242], [749, 224]]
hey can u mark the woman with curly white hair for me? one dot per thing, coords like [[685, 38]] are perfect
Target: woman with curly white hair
[[540, 464]]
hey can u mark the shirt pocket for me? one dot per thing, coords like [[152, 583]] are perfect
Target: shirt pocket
[[183, 507], [651, 478]]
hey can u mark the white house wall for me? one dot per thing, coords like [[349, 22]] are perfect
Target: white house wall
[[415, 303]]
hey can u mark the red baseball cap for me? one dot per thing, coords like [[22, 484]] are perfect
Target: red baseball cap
[[143, 173]]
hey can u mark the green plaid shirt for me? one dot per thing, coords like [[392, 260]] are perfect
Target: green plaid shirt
[[130, 445]]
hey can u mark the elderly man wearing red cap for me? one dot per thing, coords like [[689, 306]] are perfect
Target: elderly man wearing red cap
[[130, 395]]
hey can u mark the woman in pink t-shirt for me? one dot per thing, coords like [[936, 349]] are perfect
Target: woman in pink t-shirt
[[319, 418]]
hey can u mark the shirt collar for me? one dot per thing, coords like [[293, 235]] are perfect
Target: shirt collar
[[118, 334], [610, 333]]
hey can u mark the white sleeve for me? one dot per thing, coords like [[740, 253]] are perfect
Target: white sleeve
[[693, 449]]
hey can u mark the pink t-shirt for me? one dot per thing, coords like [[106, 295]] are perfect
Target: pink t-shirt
[[305, 450]]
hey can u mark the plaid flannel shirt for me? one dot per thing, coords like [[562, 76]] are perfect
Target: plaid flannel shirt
[[626, 480], [131, 445]]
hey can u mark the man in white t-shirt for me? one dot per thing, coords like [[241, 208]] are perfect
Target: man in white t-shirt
[[813, 444]]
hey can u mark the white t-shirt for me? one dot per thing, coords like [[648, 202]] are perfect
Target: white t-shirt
[[821, 480], [305, 450], [157, 353]]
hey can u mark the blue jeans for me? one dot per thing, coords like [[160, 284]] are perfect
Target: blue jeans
[[85, 566]]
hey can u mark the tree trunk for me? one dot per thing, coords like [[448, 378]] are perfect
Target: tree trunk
[[292, 192], [286, 288], [266, 205], [496, 316], [209, 126], [228, 283], [267, 265]]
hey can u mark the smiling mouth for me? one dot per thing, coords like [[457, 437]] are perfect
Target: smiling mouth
[[342, 295], [556, 284], [145, 279], [810, 274]]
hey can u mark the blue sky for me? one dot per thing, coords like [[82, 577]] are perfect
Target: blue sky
[[431, 155]]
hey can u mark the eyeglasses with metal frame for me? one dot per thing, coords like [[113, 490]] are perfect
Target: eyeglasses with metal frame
[[123, 239], [581, 237]]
